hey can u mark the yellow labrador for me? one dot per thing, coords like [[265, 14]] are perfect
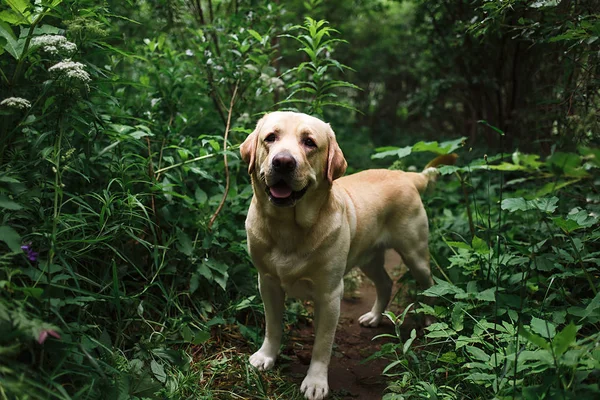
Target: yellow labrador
[[307, 226]]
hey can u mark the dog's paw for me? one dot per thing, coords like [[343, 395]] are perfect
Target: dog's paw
[[370, 319], [315, 387], [261, 361]]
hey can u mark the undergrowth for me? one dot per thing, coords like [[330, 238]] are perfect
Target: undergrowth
[[514, 244]]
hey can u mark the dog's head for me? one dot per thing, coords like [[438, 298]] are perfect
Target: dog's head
[[291, 154]]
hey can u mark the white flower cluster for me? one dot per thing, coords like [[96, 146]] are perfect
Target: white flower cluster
[[16, 102], [71, 70], [54, 44]]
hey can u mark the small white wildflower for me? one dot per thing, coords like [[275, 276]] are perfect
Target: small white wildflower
[[51, 50], [72, 70], [16, 102], [189, 53], [54, 44]]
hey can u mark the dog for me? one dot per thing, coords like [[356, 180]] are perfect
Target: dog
[[307, 226]]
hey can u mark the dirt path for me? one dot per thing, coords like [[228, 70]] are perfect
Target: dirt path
[[349, 378]]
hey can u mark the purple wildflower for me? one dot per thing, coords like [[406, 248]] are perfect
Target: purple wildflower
[[29, 253], [44, 335]]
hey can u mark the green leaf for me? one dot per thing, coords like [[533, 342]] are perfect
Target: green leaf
[[487, 295], [391, 151], [442, 148], [552, 187], [201, 337], [159, 371], [5, 202], [200, 196], [409, 341], [11, 40], [255, 35], [564, 339], [442, 288], [185, 244], [544, 328], [9, 236], [565, 224], [569, 164], [477, 353], [592, 307], [545, 204], [19, 6], [533, 338], [13, 18], [480, 246], [458, 316]]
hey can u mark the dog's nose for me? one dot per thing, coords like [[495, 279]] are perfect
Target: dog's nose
[[284, 162]]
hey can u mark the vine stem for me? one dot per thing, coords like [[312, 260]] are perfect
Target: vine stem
[[227, 177]]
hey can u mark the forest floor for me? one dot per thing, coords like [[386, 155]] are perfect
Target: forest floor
[[350, 376]]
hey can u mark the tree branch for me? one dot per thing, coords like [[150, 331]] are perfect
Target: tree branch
[[227, 178]]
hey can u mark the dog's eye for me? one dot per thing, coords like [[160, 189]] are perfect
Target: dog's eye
[[308, 142], [271, 137]]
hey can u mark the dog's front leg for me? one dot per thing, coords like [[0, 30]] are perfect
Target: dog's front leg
[[274, 300], [327, 314]]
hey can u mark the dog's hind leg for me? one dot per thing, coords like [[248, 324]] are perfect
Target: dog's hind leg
[[383, 284]]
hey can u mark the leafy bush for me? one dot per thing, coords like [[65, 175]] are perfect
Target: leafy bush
[[517, 310]]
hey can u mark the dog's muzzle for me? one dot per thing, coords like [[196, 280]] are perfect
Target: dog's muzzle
[[281, 193]]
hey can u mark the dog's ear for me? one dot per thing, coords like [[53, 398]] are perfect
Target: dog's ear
[[248, 148], [336, 163]]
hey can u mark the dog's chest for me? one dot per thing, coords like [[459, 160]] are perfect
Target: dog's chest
[[293, 271]]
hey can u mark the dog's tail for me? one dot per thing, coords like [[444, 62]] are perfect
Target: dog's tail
[[430, 172]]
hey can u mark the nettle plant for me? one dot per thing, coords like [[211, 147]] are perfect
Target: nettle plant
[[314, 86], [517, 302]]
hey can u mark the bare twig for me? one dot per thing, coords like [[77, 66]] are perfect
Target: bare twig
[[227, 179]]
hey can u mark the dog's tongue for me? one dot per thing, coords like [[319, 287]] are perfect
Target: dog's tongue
[[281, 190]]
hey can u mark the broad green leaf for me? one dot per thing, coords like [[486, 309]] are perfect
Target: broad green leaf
[[544, 328], [255, 35], [458, 316], [185, 244], [533, 338], [201, 337], [480, 246], [19, 6], [12, 17], [545, 204], [477, 353], [566, 225], [139, 134], [592, 307], [487, 295], [442, 288], [564, 339], [200, 196], [481, 377], [11, 44], [567, 163], [9, 236], [159, 371], [390, 152], [528, 160], [441, 148], [8, 204]]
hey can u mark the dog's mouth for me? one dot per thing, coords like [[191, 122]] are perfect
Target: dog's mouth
[[282, 195]]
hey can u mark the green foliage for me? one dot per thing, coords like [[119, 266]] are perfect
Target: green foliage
[[517, 310], [314, 85]]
